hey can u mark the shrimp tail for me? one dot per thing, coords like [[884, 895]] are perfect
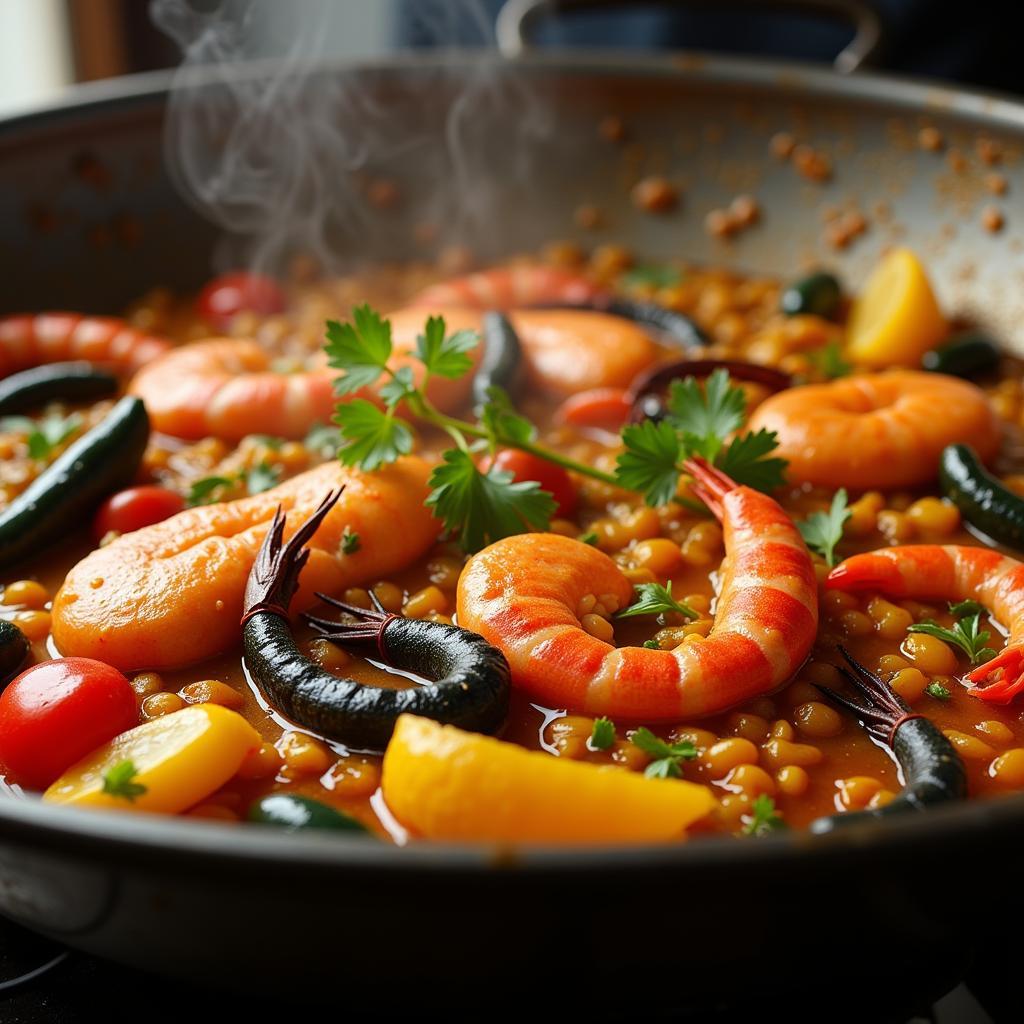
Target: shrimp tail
[[710, 485], [275, 573], [1000, 680], [870, 571]]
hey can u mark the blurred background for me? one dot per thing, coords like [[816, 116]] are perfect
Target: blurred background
[[46, 45]]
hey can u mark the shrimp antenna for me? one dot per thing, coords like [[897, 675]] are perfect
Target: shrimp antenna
[[882, 710]]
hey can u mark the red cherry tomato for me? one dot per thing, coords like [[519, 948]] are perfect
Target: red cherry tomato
[[524, 466], [226, 296], [57, 712], [135, 508], [605, 408]]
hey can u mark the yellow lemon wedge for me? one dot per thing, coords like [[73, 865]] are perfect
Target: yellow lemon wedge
[[165, 765], [444, 783], [895, 319]]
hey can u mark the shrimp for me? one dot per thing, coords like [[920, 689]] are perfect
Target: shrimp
[[522, 593], [508, 287], [226, 387], [952, 572], [171, 594], [878, 430], [565, 350], [229, 387], [31, 339]]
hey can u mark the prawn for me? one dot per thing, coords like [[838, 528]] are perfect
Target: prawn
[[32, 339], [877, 430], [952, 572], [522, 593], [565, 351], [230, 387], [171, 594], [509, 287]]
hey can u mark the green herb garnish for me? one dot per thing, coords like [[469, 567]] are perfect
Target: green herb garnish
[[323, 440], [938, 691], [207, 490], [654, 599], [763, 817], [651, 645], [602, 736], [350, 542], [50, 433], [372, 437], [824, 530], [445, 354], [746, 461], [590, 537], [119, 781], [361, 349], [484, 507], [830, 361], [965, 634], [262, 477], [667, 756], [650, 463], [651, 275], [705, 417], [698, 422], [275, 444]]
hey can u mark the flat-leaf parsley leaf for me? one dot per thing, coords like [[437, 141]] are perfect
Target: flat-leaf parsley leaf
[[602, 736], [764, 818], [362, 349], [373, 438], [822, 531], [667, 756], [120, 781], [484, 507], [654, 599], [965, 634], [650, 462]]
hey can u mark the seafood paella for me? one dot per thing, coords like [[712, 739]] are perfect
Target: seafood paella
[[576, 549]]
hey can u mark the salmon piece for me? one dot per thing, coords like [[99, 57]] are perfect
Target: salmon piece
[[171, 594]]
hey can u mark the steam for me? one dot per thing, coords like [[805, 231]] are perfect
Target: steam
[[282, 152]]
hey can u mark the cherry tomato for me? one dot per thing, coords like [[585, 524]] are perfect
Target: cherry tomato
[[135, 508], [605, 408], [57, 712], [226, 296], [524, 466]]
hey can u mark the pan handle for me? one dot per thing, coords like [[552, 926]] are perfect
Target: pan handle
[[518, 18]]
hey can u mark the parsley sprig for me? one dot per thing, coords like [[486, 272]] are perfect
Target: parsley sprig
[[763, 817], [44, 436], [481, 506], [651, 275], [698, 421], [602, 735], [965, 634], [209, 489], [654, 599], [120, 781], [667, 756], [822, 531], [830, 361]]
